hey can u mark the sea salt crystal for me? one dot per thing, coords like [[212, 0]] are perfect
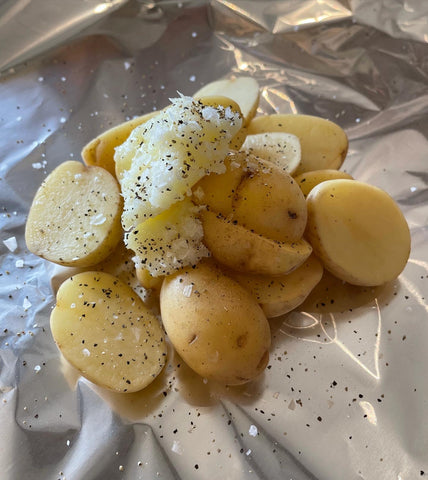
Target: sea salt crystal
[[253, 430], [19, 263], [192, 78], [176, 448], [86, 352], [26, 304], [37, 368], [11, 243], [187, 290], [98, 219]]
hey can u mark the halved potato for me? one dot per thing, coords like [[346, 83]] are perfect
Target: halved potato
[[308, 180], [104, 330], [282, 149], [220, 100], [100, 150], [281, 294], [217, 190], [243, 90], [269, 202], [245, 251], [168, 241], [357, 231], [324, 144], [215, 325], [74, 219]]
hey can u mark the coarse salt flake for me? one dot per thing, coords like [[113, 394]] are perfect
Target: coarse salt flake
[[98, 219], [177, 448], [11, 243], [86, 352], [26, 304], [253, 430], [37, 368], [19, 263], [187, 290]]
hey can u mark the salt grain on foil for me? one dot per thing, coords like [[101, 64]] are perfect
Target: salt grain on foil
[[37, 368], [11, 243], [26, 304], [253, 430], [19, 263], [176, 447]]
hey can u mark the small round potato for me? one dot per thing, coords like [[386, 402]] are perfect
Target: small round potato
[[215, 325]]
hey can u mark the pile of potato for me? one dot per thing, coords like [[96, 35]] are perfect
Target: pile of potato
[[230, 217]]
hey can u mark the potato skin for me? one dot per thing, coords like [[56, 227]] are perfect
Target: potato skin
[[215, 325]]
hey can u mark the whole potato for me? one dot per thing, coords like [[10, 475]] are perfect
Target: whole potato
[[215, 325]]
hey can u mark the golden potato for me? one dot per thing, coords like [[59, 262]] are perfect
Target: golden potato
[[215, 325], [308, 180], [281, 294], [269, 202], [245, 251], [282, 149], [324, 144], [74, 219], [100, 150], [243, 90], [105, 331], [357, 231]]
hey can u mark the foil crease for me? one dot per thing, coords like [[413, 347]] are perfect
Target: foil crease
[[345, 392]]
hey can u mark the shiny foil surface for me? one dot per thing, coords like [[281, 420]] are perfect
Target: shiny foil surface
[[345, 393]]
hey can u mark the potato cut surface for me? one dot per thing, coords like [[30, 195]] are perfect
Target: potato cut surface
[[215, 325], [243, 90], [278, 295], [357, 231], [282, 149], [324, 144], [74, 219], [104, 330], [245, 251]]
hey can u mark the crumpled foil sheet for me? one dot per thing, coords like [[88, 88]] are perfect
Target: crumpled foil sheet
[[345, 393]]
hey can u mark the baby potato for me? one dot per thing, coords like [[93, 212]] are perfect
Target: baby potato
[[100, 150], [240, 249], [104, 330], [281, 294], [282, 149], [217, 190], [307, 181], [74, 219], [215, 325], [219, 100], [269, 202], [357, 231], [243, 90], [168, 241], [324, 144]]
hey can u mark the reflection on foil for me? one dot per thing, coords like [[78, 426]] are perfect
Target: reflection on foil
[[308, 328], [369, 411], [281, 17]]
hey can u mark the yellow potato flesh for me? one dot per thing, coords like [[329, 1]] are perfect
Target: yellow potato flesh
[[217, 190], [104, 330], [357, 231], [280, 295], [307, 181], [74, 219], [243, 90], [100, 150], [324, 144], [215, 325], [245, 251]]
